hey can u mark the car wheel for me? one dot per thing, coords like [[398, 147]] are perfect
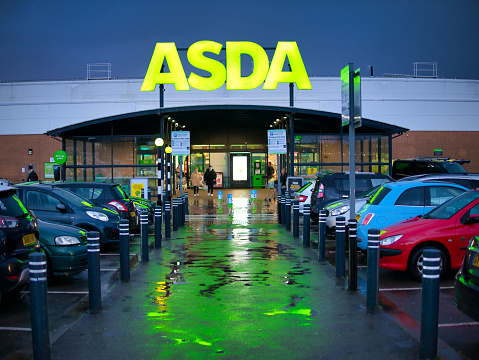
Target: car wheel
[[417, 262]]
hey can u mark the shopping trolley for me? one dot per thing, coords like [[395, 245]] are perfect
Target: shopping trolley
[[272, 190]]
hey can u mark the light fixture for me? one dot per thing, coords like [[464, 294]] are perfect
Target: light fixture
[[159, 142], [168, 150]]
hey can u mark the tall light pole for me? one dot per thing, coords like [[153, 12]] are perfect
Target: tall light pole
[[159, 143]]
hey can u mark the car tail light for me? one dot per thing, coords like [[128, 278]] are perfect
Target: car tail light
[[321, 191], [118, 205], [302, 198], [367, 219], [8, 222]]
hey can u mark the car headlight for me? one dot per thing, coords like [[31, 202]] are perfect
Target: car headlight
[[339, 210], [391, 239], [66, 240], [97, 216]]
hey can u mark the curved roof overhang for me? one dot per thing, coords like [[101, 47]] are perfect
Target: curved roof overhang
[[219, 116]]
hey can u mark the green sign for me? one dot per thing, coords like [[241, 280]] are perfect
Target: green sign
[[60, 157], [263, 72], [49, 168]]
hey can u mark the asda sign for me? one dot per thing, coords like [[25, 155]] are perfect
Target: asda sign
[[263, 73]]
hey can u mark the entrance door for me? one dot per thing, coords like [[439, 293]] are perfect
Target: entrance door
[[240, 170]]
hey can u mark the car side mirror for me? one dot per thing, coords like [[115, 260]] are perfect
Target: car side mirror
[[473, 219], [62, 208]]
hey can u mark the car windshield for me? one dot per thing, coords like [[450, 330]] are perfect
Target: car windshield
[[369, 193], [451, 207], [12, 206], [73, 198], [453, 167]]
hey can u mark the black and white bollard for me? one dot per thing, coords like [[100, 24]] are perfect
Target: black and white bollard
[[288, 213], [278, 202], [372, 286], [183, 210], [283, 209], [322, 235], [187, 208], [306, 225], [168, 219], [340, 246], [296, 218], [94, 281], [158, 222], [39, 305], [431, 272], [144, 236], [124, 230], [353, 256]]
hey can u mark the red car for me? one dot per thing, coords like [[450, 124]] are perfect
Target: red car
[[449, 227]]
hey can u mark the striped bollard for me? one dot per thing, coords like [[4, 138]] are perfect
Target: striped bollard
[[306, 225], [175, 215], [168, 219], [124, 230], [278, 202], [372, 296], [288, 213], [296, 218], [158, 222], [352, 255], [187, 208], [144, 236], [283, 209], [431, 272], [322, 235], [183, 210], [39, 305], [94, 281], [340, 246]]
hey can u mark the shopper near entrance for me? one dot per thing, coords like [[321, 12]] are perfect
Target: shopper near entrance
[[270, 171], [32, 176], [210, 179], [196, 181], [283, 178]]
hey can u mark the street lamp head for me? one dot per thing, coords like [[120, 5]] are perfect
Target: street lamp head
[[159, 142], [168, 150]]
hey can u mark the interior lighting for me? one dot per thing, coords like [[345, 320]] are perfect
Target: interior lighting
[[159, 142]]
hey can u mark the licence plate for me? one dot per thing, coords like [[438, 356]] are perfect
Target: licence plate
[[29, 239], [132, 213], [476, 261]]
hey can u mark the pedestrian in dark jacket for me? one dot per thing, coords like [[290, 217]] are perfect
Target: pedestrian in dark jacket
[[210, 179], [32, 176], [283, 178]]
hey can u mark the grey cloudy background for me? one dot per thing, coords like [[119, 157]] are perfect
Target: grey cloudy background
[[52, 39]]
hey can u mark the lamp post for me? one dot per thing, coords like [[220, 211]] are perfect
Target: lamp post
[[159, 143]]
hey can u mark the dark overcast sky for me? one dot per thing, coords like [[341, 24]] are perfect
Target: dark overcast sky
[[47, 39]]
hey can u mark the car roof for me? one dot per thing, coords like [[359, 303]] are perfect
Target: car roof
[[418, 183], [4, 188], [86, 184], [440, 176]]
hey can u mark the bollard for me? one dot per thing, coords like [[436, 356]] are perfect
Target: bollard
[[39, 305], [353, 256], [220, 196], [340, 246], [183, 210], [175, 215], [168, 219], [144, 236], [187, 207], [306, 225], [372, 292], [322, 235], [158, 222], [230, 204], [295, 218], [431, 272], [124, 230], [278, 202], [288, 213], [283, 209], [94, 282]]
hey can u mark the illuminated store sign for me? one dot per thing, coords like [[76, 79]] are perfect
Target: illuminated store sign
[[263, 72]]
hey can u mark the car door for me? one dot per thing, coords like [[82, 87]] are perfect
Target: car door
[[437, 195], [410, 203], [44, 206], [465, 231]]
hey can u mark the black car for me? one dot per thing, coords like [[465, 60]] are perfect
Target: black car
[[466, 283], [333, 187], [427, 165], [471, 181], [105, 194], [18, 239], [62, 206]]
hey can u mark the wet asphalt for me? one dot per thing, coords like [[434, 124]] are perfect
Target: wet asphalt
[[233, 284]]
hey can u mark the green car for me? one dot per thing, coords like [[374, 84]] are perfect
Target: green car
[[65, 247]]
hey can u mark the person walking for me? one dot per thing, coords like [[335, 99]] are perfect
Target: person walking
[[210, 179], [32, 176], [283, 178], [196, 180]]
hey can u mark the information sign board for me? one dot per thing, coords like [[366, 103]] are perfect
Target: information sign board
[[180, 143], [277, 141], [345, 96]]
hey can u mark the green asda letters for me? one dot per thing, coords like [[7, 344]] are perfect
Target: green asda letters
[[271, 76]]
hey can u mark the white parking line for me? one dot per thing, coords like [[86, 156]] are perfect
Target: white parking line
[[68, 292], [415, 288], [109, 254], [108, 269], [472, 323], [6, 328]]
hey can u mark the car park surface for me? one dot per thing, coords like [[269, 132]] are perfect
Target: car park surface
[[449, 228], [62, 206], [334, 187], [399, 201], [65, 247], [18, 239]]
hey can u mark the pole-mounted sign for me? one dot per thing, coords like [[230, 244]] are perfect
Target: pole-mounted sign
[[351, 96], [180, 142]]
